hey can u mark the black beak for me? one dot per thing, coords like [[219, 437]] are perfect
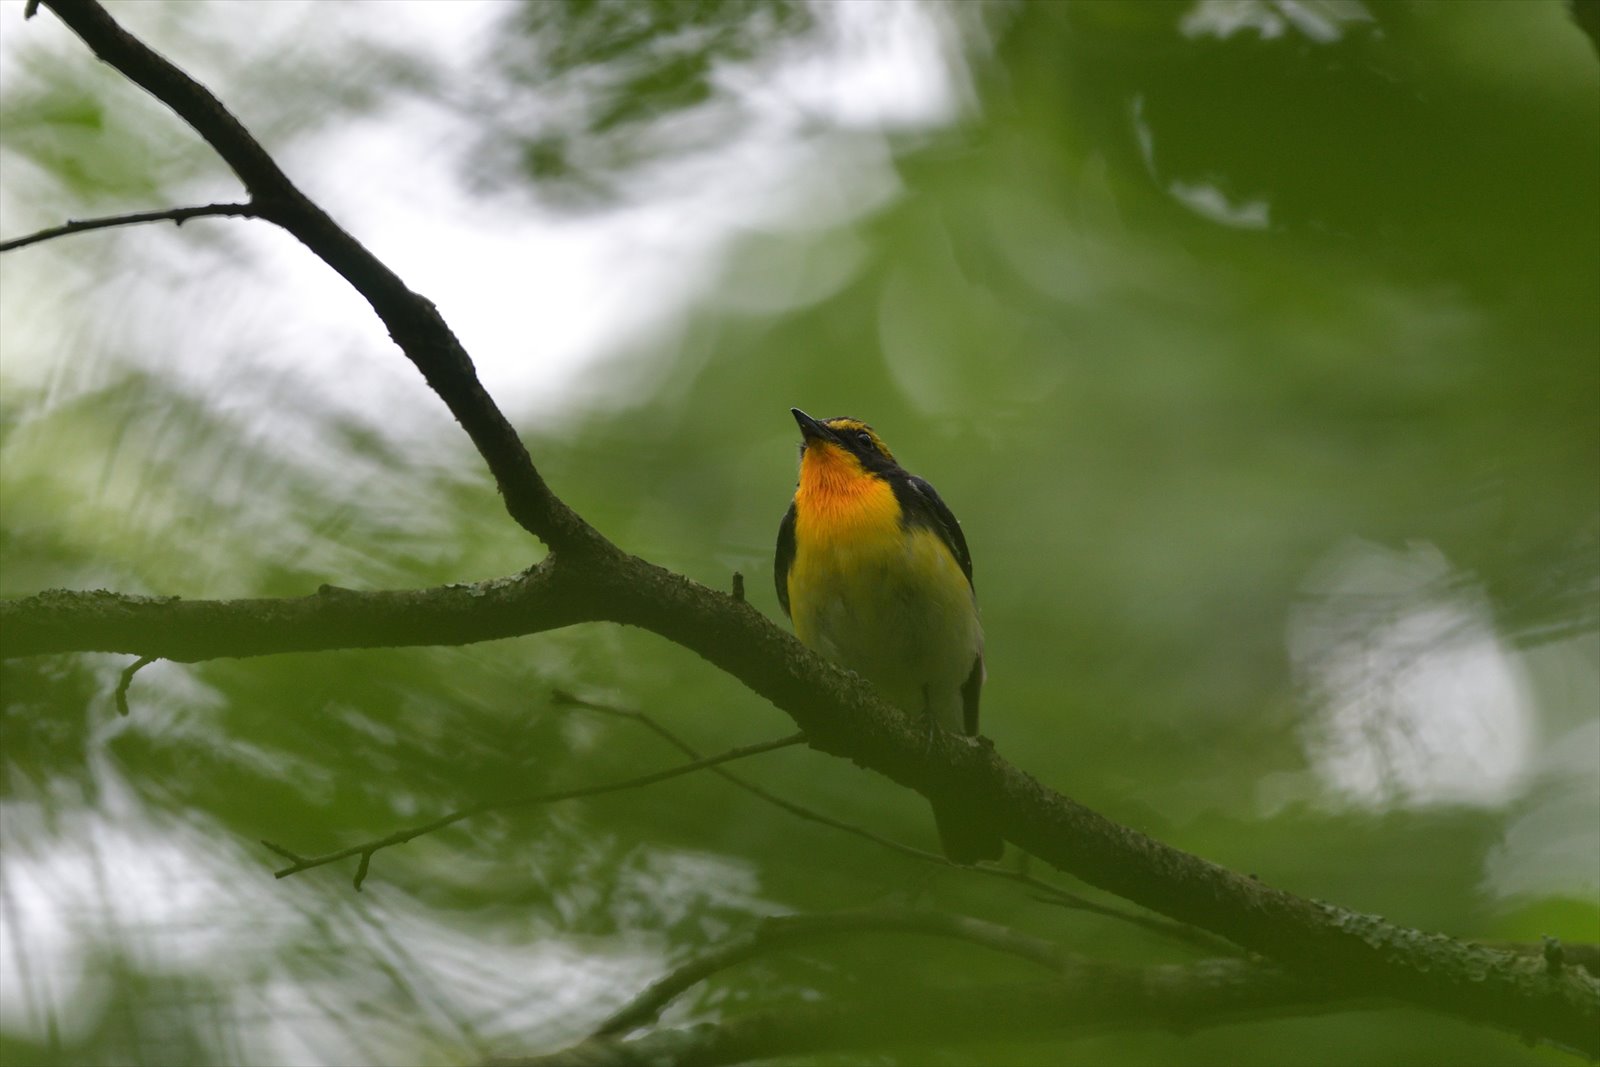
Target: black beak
[[810, 428]]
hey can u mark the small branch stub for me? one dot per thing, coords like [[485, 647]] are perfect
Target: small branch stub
[[121, 694], [1554, 955]]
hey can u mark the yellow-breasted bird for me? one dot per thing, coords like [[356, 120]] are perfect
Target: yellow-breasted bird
[[874, 571]]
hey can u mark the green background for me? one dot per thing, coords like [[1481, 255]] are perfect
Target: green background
[[1256, 345]]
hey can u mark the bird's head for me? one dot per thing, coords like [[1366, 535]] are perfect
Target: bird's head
[[843, 445]]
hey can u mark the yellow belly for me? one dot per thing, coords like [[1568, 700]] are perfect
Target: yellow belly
[[890, 604]]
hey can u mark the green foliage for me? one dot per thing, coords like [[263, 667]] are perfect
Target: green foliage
[[1242, 356]]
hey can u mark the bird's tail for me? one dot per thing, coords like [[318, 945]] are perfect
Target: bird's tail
[[965, 839]]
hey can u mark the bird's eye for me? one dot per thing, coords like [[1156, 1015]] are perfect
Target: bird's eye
[[866, 440]]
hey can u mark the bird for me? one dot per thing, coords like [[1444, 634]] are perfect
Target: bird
[[874, 572]]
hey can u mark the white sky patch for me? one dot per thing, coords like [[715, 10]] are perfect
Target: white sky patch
[[1412, 698], [1551, 843], [1321, 21], [538, 295], [1205, 199], [291, 965], [1554, 847], [894, 64], [168, 898]]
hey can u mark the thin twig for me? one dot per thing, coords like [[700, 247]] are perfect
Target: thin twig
[[1047, 892], [121, 694], [400, 837], [292, 857], [178, 215]]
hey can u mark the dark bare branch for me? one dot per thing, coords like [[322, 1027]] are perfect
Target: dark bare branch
[[1088, 998], [126, 679], [779, 932], [1054, 894], [187, 631], [178, 215], [412, 320], [841, 715], [366, 849]]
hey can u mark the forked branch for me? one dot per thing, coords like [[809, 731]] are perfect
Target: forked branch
[[366, 849], [413, 322], [784, 931], [1084, 998], [1053, 894]]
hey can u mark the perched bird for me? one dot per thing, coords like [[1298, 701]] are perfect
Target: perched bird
[[876, 575]]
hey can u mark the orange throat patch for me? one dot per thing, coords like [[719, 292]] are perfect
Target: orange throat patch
[[838, 498]]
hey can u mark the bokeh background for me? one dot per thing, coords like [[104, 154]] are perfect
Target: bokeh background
[[1256, 343]]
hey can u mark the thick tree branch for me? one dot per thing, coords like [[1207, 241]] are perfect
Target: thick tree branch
[[543, 598], [365, 850], [412, 320], [178, 215], [841, 715], [1319, 940]]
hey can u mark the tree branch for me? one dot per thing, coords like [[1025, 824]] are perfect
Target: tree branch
[[841, 715], [412, 320], [1087, 999], [178, 215], [399, 837], [126, 679], [776, 933], [1053, 894], [779, 932], [57, 620]]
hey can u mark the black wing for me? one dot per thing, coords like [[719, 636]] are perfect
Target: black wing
[[926, 505], [969, 697], [785, 558]]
